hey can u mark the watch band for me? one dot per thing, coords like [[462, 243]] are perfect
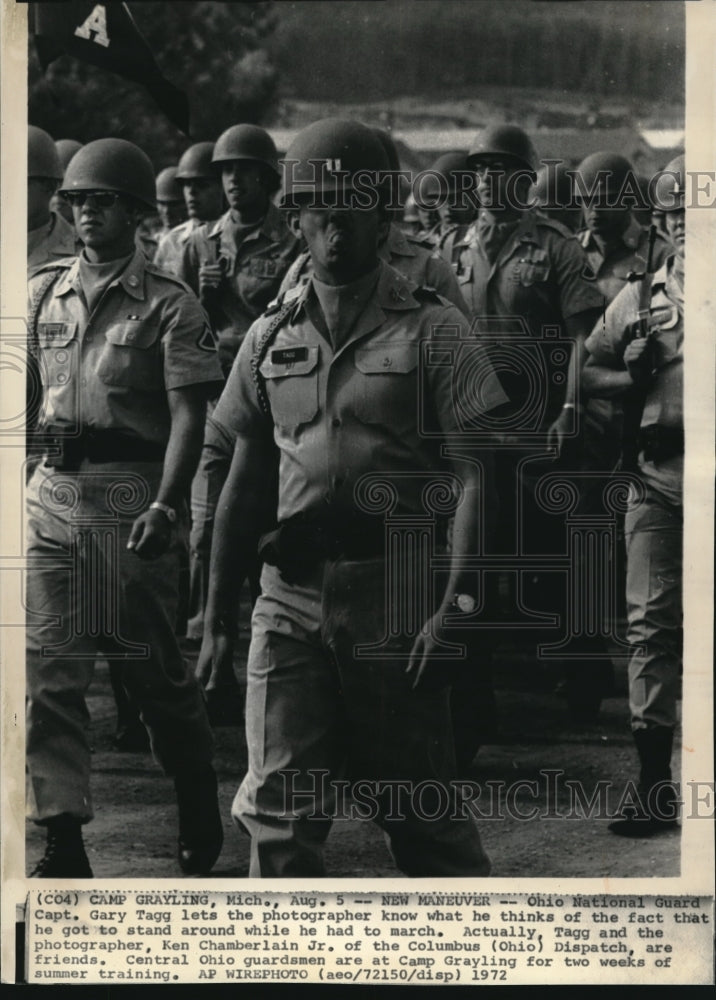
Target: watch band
[[168, 511]]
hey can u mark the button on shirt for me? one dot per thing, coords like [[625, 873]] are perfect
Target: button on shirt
[[374, 404], [664, 399], [255, 259], [110, 369]]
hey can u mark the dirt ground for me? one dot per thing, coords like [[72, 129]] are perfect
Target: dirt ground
[[134, 830]]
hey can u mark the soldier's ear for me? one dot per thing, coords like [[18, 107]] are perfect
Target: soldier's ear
[[293, 221]]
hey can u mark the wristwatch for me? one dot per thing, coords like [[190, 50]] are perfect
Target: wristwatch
[[465, 603], [169, 512]]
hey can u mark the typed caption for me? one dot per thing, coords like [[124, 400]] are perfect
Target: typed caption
[[432, 937]]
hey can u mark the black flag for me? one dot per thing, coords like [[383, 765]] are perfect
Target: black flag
[[105, 35]]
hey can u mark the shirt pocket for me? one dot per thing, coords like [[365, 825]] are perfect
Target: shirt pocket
[[291, 377], [533, 268], [131, 357], [58, 351], [386, 384]]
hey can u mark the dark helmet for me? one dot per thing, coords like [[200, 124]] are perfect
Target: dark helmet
[[504, 141], [42, 157], [606, 174], [168, 187], [388, 144], [326, 156], [553, 186], [246, 142], [195, 162], [669, 186], [451, 166], [66, 149], [112, 165]]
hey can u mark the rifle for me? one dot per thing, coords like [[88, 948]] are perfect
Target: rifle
[[635, 399]]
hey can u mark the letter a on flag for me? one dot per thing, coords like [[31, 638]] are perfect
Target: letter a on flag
[[105, 35]]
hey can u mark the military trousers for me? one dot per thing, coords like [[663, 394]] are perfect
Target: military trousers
[[329, 707], [654, 537], [88, 595]]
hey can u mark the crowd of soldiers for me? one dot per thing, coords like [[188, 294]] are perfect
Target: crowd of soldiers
[[321, 382]]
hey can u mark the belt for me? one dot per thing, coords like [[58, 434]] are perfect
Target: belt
[[298, 545], [68, 452], [661, 443]]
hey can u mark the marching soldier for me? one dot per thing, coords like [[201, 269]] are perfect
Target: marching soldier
[[49, 236], [127, 362], [517, 268], [553, 193], [328, 381], [203, 197], [235, 266], [645, 356], [170, 201], [457, 205]]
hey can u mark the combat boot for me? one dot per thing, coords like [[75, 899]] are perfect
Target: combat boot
[[201, 833], [64, 855], [657, 808]]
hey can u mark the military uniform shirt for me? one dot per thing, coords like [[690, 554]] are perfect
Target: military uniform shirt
[[171, 246], [254, 269], [664, 400], [336, 415], [53, 241], [111, 369]]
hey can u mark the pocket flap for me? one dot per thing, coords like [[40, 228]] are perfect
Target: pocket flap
[[55, 334], [131, 334], [283, 361], [387, 358]]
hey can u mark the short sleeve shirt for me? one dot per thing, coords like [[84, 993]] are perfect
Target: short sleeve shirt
[[111, 370], [381, 403]]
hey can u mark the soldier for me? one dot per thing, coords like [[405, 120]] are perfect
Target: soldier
[[457, 205], [49, 236], [127, 361], [66, 149], [526, 272], [409, 256], [236, 267], [203, 197], [170, 201], [628, 355], [553, 194], [330, 378]]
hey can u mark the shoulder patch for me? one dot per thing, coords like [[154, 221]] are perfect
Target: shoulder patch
[[206, 340]]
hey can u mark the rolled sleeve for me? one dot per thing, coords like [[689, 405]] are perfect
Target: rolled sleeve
[[238, 411], [189, 346]]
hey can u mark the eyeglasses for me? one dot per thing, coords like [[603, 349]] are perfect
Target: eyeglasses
[[101, 199]]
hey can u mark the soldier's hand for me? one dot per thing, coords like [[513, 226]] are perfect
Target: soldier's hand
[[638, 359], [562, 428], [215, 665], [427, 660], [210, 278], [150, 535]]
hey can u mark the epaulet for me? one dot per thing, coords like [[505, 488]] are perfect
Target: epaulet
[[287, 297], [559, 227], [425, 293], [157, 272], [61, 264]]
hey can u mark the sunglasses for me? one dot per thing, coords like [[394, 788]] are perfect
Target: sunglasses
[[101, 199]]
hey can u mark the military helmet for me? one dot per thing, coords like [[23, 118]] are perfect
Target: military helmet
[[504, 141], [246, 142], [326, 156], [450, 166], [553, 186], [195, 162], [112, 165], [42, 156], [669, 186], [391, 150], [605, 173], [168, 187], [66, 149]]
